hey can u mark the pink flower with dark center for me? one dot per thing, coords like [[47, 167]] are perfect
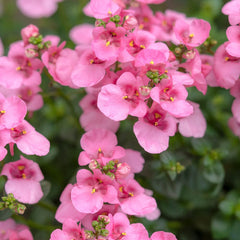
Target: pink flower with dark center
[[123, 99], [192, 34], [92, 190], [172, 98], [70, 230], [155, 54], [17, 68], [100, 145], [60, 63], [232, 9], [226, 67], [153, 130], [26, 138], [23, 182], [133, 200], [90, 70], [12, 111], [134, 43], [107, 41], [104, 9], [9, 230], [233, 35]]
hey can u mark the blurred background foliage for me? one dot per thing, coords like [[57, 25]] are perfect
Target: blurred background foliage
[[196, 181]]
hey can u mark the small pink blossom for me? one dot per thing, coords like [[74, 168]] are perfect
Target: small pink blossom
[[232, 9], [9, 230], [124, 98], [66, 209], [23, 182], [70, 230], [153, 130], [192, 34], [92, 190], [37, 8], [82, 34], [104, 9], [99, 144], [163, 236]]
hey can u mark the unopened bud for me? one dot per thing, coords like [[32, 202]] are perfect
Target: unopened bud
[[145, 90], [123, 170], [190, 54], [29, 31], [31, 53], [130, 23], [93, 164], [104, 218]]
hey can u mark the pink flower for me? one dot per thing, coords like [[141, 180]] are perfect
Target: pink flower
[[226, 68], [70, 230], [163, 236], [89, 70], [9, 230], [12, 111], [3, 153], [66, 209], [133, 200], [37, 8], [154, 54], [120, 228], [92, 190], [26, 138], [106, 41], [124, 98], [17, 68], [92, 117], [235, 126], [232, 9], [233, 35], [192, 34], [60, 63], [153, 130], [172, 98], [194, 125], [100, 145], [23, 182], [104, 9], [82, 34]]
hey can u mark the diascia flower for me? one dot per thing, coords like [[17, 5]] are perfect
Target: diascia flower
[[23, 182]]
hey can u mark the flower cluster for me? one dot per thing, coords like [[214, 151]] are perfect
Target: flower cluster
[[128, 70], [103, 197], [227, 62]]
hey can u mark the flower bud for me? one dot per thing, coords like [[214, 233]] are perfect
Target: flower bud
[[31, 53], [145, 90], [104, 218], [93, 164], [130, 23], [29, 31], [123, 170], [190, 54]]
